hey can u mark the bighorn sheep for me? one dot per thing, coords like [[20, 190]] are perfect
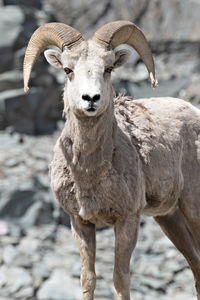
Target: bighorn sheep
[[117, 159]]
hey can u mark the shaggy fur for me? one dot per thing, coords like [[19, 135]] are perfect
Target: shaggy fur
[[138, 157], [136, 162]]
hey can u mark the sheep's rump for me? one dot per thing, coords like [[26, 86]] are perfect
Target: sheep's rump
[[166, 133]]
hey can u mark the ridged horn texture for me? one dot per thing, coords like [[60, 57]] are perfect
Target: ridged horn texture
[[57, 34], [116, 33]]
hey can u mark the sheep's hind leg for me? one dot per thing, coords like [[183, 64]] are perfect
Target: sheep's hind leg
[[126, 231], [178, 231], [191, 211], [84, 234]]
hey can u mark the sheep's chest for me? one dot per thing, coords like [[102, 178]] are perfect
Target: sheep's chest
[[99, 192], [100, 199]]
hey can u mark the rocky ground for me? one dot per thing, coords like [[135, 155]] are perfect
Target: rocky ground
[[42, 262], [38, 256]]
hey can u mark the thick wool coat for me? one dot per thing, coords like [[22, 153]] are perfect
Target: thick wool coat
[[140, 156]]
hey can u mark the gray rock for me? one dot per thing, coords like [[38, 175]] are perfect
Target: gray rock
[[13, 162], [25, 293], [89, 15], [25, 193], [182, 296], [10, 254], [41, 270], [192, 91], [17, 109], [105, 289], [103, 293], [38, 213], [30, 113], [153, 283], [9, 206], [55, 266], [165, 20], [26, 206], [150, 15], [83, 15], [11, 80], [55, 261], [59, 287], [169, 88], [18, 59], [12, 279], [31, 3], [25, 260], [29, 245], [45, 233], [76, 269], [11, 19], [7, 58]]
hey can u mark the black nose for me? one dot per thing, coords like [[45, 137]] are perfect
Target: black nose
[[91, 99]]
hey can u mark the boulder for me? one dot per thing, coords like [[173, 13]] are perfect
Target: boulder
[[143, 89], [31, 3], [14, 279], [11, 80], [6, 54], [16, 200], [34, 113], [27, 204], [17, 109], [59, 286], [176, 20], [192, 92], [161, 20], [89, 15], [11, 20]]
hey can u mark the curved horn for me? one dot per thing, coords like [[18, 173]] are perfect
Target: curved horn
[[57, 34], [124, 32]]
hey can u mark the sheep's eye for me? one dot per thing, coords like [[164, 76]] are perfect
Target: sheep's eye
[[109, 69], [67, 71]]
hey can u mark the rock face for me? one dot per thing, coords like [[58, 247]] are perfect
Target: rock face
[[32, 113], [11, 18], [172, 27], [37, 112], [172, 20], [176, 20], [88, 16], [38, 256]]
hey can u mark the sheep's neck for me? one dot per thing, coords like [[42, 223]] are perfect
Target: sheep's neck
[[88, 142]]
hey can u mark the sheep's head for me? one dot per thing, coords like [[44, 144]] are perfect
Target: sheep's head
[[88, 69], [88, 64]]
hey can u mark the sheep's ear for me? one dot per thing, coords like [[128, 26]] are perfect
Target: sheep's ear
[[54, 58], [121, 57]]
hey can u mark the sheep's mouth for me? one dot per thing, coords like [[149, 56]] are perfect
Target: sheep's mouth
[[91, 109]]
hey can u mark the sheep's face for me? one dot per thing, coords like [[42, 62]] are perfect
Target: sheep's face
[[88, 68]]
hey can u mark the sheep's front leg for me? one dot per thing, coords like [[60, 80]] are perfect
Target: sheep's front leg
[[126, 231], [85, 235]]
